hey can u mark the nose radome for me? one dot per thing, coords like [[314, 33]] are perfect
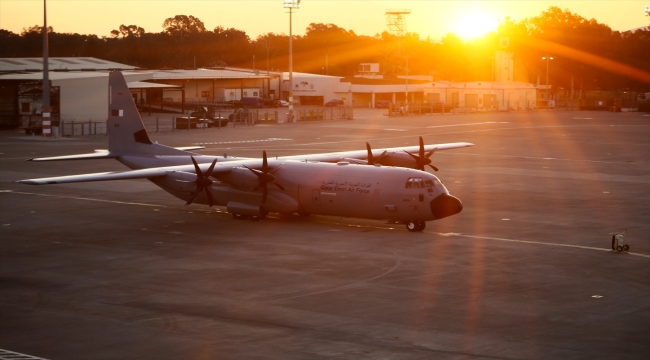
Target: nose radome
[[445, 205]]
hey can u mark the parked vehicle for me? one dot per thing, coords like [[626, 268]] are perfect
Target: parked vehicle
[[282, 103], [334, 103], [252, 102], [382, 104], [202, 115], [235, 104]]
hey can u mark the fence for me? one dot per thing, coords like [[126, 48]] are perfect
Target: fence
[[326, 114]]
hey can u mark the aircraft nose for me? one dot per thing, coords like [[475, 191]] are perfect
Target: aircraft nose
[[445, 205]]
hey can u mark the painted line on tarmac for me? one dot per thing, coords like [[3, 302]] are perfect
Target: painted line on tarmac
[[468, 124], [87, 199], [535, 243], [364, 226], [242, 141], [12, 355]]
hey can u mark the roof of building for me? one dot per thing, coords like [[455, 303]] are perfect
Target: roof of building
[[148, 85], [73, 75], [207, 74], [60, 64]]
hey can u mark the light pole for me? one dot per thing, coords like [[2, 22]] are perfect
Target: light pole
[[548, 59], [291, 4], [45, 108]]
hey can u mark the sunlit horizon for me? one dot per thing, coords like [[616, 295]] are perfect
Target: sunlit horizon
[[429, 19]]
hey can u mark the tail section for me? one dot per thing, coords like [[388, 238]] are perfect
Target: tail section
[[126, 132]]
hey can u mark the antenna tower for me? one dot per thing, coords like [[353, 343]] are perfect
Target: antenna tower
[[396, 22]]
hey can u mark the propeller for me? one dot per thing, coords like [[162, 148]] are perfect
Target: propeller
[[203, 182], [265, 176], [371, 158], [421, 158]]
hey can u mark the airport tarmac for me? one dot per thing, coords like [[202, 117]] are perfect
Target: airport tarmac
[[122, 270]]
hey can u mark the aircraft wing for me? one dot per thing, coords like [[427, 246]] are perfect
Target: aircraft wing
[[363, 154], [118, 175], [223, 167]]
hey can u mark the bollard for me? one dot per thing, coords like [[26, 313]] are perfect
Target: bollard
[[156, 124], [188, 123]]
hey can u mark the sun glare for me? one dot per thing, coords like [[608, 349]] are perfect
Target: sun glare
[[473, 25]]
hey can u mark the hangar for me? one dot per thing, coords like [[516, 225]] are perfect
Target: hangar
[[479, 95], [79, 87]]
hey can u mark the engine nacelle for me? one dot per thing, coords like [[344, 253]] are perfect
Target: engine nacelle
[[240, 178], [180, 181], [400, 159]]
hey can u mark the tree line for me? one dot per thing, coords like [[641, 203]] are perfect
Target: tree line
[[585, 52]]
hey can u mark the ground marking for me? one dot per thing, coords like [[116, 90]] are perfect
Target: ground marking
[[364, 226], [538, 243], [242, 141], [469, 124], [11, 355]]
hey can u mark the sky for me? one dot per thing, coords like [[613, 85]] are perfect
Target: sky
[[428, 18]]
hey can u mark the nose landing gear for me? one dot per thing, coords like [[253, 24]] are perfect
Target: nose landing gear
[[415, 226]]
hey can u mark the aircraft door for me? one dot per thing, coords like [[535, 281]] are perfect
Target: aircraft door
[[315, 197]]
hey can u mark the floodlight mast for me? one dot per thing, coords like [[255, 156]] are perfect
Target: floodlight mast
[[45, 108], [547, 58], [396, 24], [291, 4]]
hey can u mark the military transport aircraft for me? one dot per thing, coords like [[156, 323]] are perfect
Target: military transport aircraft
[[386, 184]]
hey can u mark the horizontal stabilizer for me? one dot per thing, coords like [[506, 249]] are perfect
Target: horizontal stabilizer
[[189, 148], [98, 154]]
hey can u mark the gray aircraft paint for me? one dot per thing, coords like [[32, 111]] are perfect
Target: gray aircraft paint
[[313, 184]]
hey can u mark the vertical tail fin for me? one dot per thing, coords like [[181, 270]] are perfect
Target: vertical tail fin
[[126, 132]]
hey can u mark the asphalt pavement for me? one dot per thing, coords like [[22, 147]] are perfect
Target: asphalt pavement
[[122, 270]]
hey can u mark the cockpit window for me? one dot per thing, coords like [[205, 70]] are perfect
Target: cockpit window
[[429, 183], [415, 183]]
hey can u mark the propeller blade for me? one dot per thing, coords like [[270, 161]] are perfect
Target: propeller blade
[[412, 155], [208, 194], [265, 164], [421, 147], [276, 169], [433, 167], [278, 185], [194, 196], [196, 167], [378, 159], [371, 160], [428, 155], [265, 193], [209, 172]]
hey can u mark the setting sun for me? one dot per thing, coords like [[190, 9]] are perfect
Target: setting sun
[[473, 25]]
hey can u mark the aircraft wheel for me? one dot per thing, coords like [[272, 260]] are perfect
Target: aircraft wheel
[[626, 247], [239, 216], [414, 226], [422, 225], [619, 248], [285, 216], [258, 217]]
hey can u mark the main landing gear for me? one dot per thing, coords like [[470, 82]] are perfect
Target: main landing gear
[[415, 226], [259, 217]]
